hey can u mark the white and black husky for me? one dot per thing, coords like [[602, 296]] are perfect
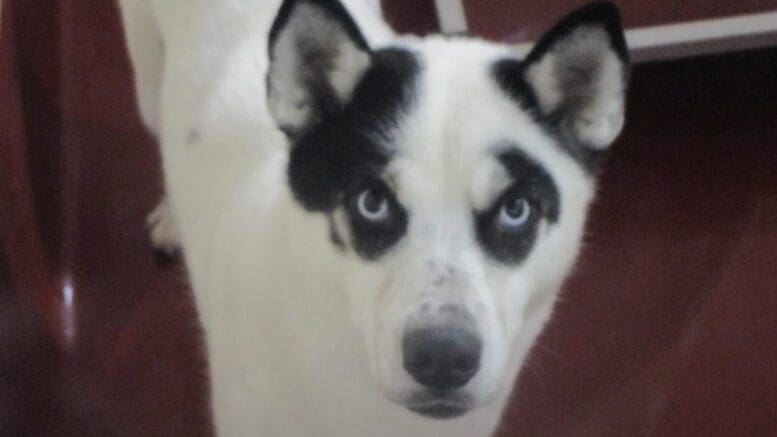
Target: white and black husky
[[376, 226]]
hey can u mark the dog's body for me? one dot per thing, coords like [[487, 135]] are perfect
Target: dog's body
[[274, 259]]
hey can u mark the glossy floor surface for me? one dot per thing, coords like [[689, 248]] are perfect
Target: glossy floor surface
[[667, 327]]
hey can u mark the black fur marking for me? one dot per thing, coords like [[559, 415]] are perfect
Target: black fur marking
[[509, 74], [334, 235], [334, 8], [531, 182], [347, 147], [601, 14]]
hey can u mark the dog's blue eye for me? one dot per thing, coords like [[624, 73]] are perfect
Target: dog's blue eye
[[373, 205], [515, 212]]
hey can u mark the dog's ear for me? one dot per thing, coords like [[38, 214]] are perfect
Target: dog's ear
[[578, 73], [317, 57]]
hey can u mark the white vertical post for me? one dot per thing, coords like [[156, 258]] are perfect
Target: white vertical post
[[450, 14]]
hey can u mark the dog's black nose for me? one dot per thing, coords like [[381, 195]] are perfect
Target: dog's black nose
[[441, 357]]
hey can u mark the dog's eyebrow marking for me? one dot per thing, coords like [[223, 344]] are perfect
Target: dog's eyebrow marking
[[531, 178], [531, 182]]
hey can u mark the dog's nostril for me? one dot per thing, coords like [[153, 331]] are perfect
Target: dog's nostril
[[441, 357], [464, 363], [423, 362]]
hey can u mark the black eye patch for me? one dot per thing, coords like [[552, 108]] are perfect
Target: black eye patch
[[327, 158], [334, 159], [511, 245], [372, 238]]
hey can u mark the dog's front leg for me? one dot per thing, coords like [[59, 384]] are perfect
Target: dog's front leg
[[146, 50]]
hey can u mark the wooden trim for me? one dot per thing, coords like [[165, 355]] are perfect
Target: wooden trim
[[451, 16], [661, 42], [701, 37], [694, 38]]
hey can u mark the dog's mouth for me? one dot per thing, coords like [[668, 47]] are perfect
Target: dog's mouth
[[440, 406], [439, 410]]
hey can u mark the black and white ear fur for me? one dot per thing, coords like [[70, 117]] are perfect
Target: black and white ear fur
[[578, 73], [317, 57]]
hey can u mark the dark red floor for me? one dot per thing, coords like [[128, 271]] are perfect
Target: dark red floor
[[668, 327]]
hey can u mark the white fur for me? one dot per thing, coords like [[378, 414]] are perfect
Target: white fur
[[162, 228], [599, 122], [277, 300], [289, 103]]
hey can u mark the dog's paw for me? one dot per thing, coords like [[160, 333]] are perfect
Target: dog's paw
[[163, 230]]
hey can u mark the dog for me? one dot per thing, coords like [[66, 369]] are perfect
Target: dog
[[376, 227]]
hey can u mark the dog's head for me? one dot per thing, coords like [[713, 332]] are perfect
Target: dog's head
[[456, 177]]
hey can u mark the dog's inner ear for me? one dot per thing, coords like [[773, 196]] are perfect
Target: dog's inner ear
[[317, 57], [578, 73]]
